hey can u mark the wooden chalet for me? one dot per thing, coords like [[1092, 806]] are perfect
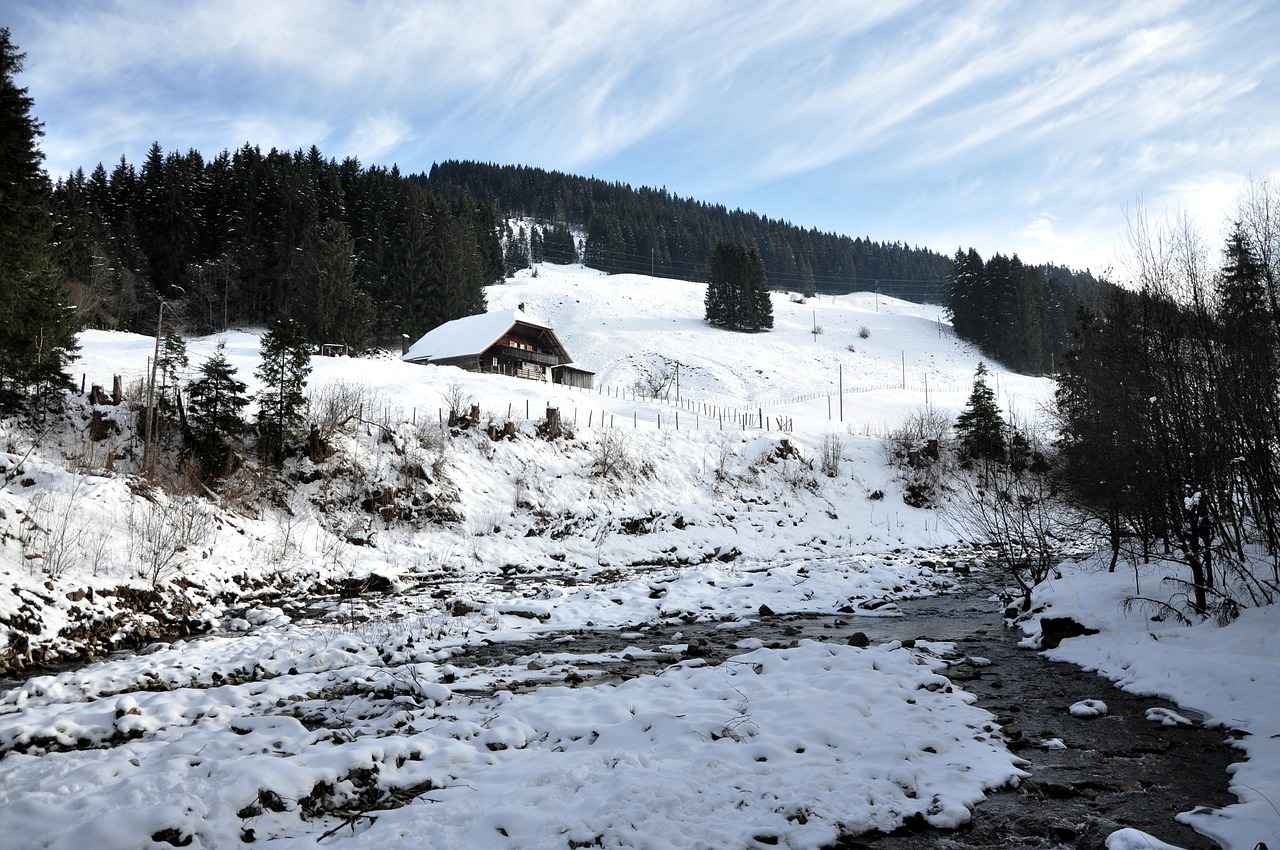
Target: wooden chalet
[[507, 342]]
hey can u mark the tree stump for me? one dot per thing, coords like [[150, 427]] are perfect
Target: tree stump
[[100, 427], [553, 427], [117, 390], [97, 395]]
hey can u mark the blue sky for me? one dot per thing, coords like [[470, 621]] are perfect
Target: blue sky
[[1035, 128]]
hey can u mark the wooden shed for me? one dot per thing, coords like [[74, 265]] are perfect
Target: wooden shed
[[506, 342]]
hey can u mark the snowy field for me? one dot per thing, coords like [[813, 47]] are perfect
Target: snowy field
[[319, 710]]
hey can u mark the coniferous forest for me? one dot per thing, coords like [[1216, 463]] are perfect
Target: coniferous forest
[[1020, 315], [354, 253], [651, 231]]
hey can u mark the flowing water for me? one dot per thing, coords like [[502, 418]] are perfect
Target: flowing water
[[1119, 770]]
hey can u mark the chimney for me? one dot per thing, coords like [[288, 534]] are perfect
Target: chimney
[[520, 307]]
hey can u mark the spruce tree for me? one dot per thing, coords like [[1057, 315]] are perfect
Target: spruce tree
[[979, 426], [37, 329], [215, 421], [324, 296], [759, 305], [286, 362], [737, 293]]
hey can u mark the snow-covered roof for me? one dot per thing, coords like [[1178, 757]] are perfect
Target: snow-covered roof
[[468, 335]]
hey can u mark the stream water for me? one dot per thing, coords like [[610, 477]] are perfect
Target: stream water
[[1119, 770]]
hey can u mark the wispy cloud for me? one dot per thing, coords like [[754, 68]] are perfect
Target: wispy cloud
[[988, 122]]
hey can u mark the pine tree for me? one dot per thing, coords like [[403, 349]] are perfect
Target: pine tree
[[215, 422], [37, 329], [979, 426], [286, 362], [737, 293], [324, 297], [759, 304]]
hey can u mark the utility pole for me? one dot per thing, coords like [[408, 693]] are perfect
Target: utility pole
[[151, 393]]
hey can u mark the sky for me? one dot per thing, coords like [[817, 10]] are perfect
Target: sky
[[1041, 129]]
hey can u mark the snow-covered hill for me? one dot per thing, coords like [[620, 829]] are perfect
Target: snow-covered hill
[[324, 700], [694, 456]]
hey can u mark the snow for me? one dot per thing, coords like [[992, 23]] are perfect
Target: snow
[[1088, 708], [1227, 674], [358, 718]]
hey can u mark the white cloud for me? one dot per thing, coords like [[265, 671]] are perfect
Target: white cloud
[[374, 138], [1057, 114]]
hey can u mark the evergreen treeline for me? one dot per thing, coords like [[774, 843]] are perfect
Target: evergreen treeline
[[648, 230], [1020, 315], [351, 252], [1169, 411]]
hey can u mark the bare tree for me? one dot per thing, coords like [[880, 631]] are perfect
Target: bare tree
[[1018, 515], [656, 381]]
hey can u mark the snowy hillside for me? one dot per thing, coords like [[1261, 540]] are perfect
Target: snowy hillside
[[333, 690], [625, 327], [696, 456]]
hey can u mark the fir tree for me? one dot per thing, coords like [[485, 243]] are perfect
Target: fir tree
[[214, 418], [283, 370], [979, 426], [37, 329], [737, 293], [324, 296]]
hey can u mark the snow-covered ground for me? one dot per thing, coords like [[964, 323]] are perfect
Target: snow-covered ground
[[350, 719], [1230, 675]]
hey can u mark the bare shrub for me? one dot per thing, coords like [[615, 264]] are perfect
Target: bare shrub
[[656, 381], [54, 533], [832, 455], [725, 453], [920, 426], [335, 406], [1014, 508], [610, 455], [242, 491], [798, 474], [864, 332], [457, 401], [162, 534]]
